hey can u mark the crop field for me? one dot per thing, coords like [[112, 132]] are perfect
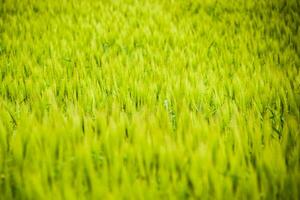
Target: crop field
[[149, 99]]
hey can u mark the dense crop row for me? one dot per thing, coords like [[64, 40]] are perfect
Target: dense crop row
[[149, 99]]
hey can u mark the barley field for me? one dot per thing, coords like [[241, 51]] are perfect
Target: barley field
[[149, 99]]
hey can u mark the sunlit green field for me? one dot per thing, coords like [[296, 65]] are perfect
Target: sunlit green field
[[149, 99]]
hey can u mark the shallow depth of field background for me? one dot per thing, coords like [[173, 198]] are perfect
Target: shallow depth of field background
[[149, 99]]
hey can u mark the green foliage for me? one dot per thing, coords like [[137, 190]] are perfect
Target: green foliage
[[147, 99]]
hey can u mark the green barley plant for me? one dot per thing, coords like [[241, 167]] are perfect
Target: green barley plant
[[149, 99]]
